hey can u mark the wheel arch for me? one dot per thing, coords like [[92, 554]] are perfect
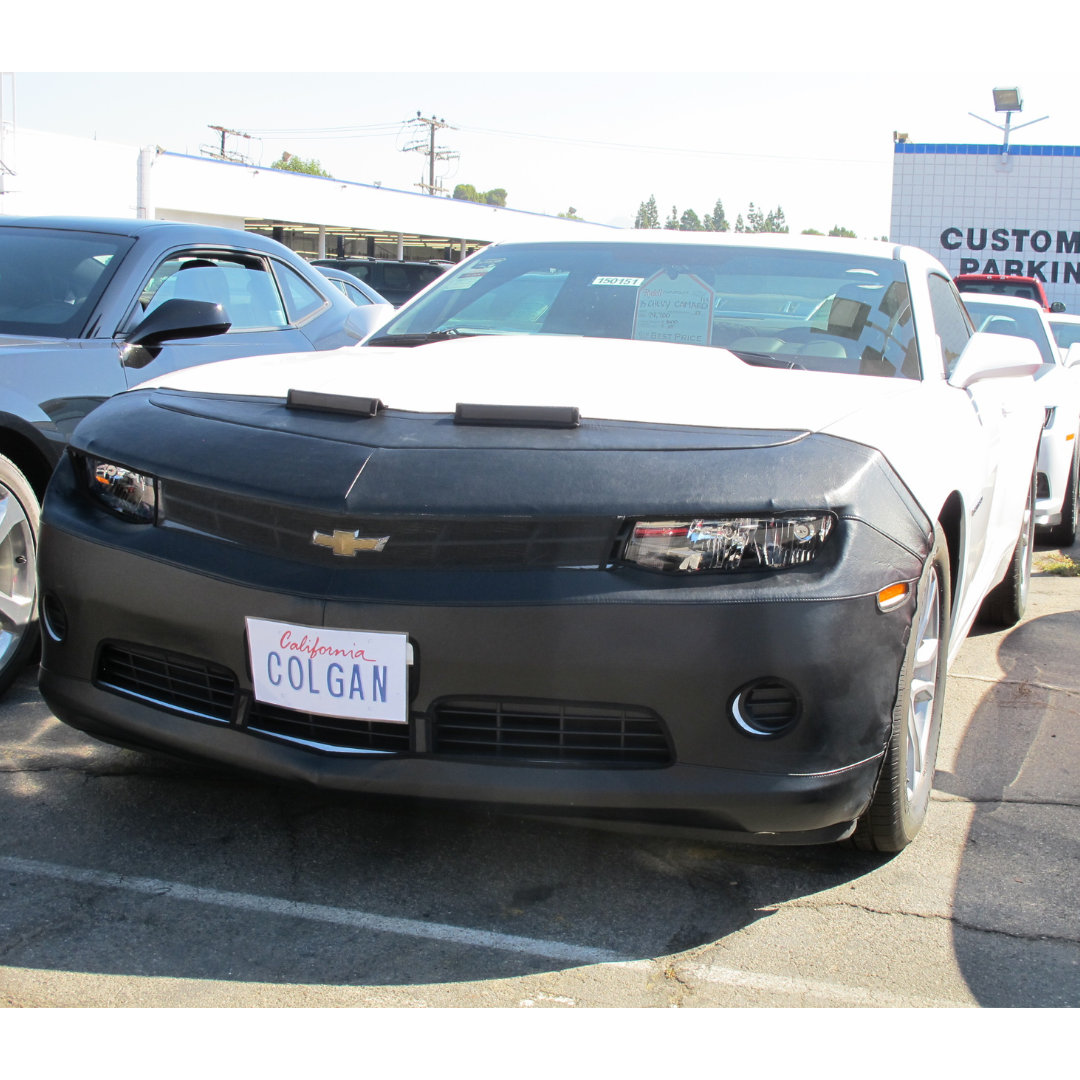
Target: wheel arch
[[952, 520], [29, 457]]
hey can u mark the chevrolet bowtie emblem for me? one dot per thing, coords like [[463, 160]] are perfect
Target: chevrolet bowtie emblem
[[348, 543]]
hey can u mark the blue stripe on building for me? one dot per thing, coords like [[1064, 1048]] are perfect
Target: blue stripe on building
[[985, 148]]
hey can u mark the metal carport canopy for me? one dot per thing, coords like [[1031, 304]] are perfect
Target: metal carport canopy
[[202, 185]]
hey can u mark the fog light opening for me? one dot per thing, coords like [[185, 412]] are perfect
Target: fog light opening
[[54, 617], [765, 708], [893, 596]]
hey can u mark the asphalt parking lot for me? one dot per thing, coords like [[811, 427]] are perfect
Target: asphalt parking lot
[[128, 879]]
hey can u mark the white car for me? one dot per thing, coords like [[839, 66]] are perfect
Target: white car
[[674, 527], [1066, 330], [1058, 384]]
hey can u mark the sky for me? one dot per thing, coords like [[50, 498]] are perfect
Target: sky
[[814, 137]]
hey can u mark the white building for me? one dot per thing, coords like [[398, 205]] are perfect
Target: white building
[[60, 174], [982, 212]]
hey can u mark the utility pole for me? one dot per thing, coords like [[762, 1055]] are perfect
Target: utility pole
[[222, 153], [425, 145]]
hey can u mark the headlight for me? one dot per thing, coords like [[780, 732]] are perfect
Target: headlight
[[125, 492], [743, 543]]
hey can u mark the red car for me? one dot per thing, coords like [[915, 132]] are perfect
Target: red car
[[1027, 288]]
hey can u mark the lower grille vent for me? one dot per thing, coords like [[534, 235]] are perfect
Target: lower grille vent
[[327, 732], [555, 731], [183, 683], [1042, 486]]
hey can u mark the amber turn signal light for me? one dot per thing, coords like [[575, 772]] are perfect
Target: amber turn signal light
[[892, 596]]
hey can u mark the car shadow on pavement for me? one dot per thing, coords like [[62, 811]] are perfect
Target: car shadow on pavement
[[69, 800], [1014, 911]]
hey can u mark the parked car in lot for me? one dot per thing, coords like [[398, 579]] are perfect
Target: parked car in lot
[[1027, 288], [394, 280], [1058, 385], [678, 529], [1066, 330], [359, 292], [90, 307]]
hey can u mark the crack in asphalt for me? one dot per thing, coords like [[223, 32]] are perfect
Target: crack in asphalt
[[951, 919], [1020, 800]]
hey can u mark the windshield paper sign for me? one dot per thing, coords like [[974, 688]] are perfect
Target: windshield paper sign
[[676, 309], [471, 276], [348, 673]]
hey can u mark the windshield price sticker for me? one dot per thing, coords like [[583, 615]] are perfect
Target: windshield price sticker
[[633, 282], [357, 674], [676, 309], [471, 276]]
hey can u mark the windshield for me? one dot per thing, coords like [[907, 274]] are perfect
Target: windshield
[[1022, 289], [1066, 333], [1011, 321], [819, 311], [50, 280]]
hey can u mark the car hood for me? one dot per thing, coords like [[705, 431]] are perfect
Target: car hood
[[649, 382]]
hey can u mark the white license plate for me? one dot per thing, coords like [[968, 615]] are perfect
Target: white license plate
[[358, 674]]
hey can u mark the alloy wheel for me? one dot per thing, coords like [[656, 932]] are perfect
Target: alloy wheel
[[18, 574], [922, 694]]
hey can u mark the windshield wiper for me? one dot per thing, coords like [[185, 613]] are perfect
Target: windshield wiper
[[759, 359], [407, 341]]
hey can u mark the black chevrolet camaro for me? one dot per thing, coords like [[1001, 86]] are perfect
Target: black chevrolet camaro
[[630, 530]]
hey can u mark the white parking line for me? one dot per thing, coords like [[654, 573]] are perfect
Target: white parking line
[[457, 935], [830, 991]]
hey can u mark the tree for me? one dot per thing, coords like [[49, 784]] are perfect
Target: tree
[[774, 221], [648, 217], [690, 222], [467, 193], [812, 232], [755, 220], [839, 230], [739, 226], [716, 222], [673, 221], [571, 214], [292, 163]]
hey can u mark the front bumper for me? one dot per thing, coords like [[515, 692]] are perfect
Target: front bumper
[[681, 660]]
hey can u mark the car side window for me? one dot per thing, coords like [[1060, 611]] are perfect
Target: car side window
[[354, 294], [242, 285], [300, 298], [950, 319]]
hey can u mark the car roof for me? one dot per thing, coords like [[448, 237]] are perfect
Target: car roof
[[825, 244], [1002, 298], [1007, 278], [1061, 317], [185, 231]]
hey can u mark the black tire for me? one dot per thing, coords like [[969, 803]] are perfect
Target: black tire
[[19, 523], [1064, 535], [898, 808], [1005, 603]]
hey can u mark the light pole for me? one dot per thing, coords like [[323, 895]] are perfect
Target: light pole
[[1007, 99]]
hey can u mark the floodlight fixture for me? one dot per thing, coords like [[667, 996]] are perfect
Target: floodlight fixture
[[1008, 99]]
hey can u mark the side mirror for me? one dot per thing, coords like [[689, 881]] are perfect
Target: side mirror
[[177, 319], [995, 356], [1072, 356], [1057, 308], [361, 322]]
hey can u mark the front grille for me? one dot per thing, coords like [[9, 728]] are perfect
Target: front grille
[[329, 733], [183, 683], [417, 542], [553, 731]]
